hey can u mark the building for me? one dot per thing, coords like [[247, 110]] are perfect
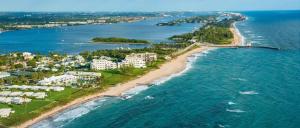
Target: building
[[79, 59], [23, 63], [84, 75], [135, 62], [27, 87], [103, 63], [138, 60], [19, 100], [5, 112], [39, 95], [147, 57], [73, 61], [45, 60], [28, 56], [4, 74], [59, 80], [14, 100]]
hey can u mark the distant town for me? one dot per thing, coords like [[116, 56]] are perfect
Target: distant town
[[18, 21]]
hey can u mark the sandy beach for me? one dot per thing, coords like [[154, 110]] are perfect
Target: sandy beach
[[237, 37], [175, 65]]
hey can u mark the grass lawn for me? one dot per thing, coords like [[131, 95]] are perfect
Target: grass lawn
[[36, 107]]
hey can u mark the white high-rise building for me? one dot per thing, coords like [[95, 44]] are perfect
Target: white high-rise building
[[103, 64], [132, 61]]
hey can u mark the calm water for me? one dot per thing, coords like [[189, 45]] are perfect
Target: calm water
[[232, 88], [76, 38]]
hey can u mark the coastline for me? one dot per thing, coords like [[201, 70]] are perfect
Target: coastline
[[238, 39], [174, 66]]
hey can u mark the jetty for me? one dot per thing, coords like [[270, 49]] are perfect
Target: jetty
[[245, 46], [237, 46]]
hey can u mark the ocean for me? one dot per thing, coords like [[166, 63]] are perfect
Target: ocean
[[221, 88]]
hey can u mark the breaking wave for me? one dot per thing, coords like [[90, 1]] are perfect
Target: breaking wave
[[231, 103], [248, 92], [190, 60], [235, 110], [239, 79], [62, 118], [133, 91]]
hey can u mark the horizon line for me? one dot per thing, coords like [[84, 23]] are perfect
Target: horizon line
[[153, 11]]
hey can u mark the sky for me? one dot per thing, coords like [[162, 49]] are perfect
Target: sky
[[147, 5]]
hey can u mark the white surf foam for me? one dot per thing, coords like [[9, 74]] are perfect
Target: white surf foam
[[239, 33], [79, 43], [190, 60], [239, 79], [248, 31], [43, 124], [70, 114], [80, 110], [223, 126], [133, 91], [248, 92], [235, 110], [231, 103], [255, 42], [149, 98], [63, 43]]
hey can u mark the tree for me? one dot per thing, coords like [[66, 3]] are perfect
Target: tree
[[31, 63]]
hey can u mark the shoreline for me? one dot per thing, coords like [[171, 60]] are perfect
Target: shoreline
[[238, 38], [169, 68], [173, 66]]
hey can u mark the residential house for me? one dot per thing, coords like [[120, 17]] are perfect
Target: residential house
[[59, 80], [4, 74], [28, 56]]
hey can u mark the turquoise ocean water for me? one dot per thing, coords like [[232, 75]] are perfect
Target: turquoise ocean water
[[222, 88]]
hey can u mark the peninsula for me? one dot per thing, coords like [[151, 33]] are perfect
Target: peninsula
[[195, 19]]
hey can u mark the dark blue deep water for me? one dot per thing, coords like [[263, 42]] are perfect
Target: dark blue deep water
[[231, 88]]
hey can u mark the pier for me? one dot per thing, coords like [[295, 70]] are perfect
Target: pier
[[236, 46], [245, 46]]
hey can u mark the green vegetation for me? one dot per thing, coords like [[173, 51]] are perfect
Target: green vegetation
[[210, 34], [109, 78], [119, 40], [195, 19], [28, 20], [215, 35], [36, 107], [217, 32]]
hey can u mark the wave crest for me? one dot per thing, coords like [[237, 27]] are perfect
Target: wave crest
[[235, 110], [248, 92]]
